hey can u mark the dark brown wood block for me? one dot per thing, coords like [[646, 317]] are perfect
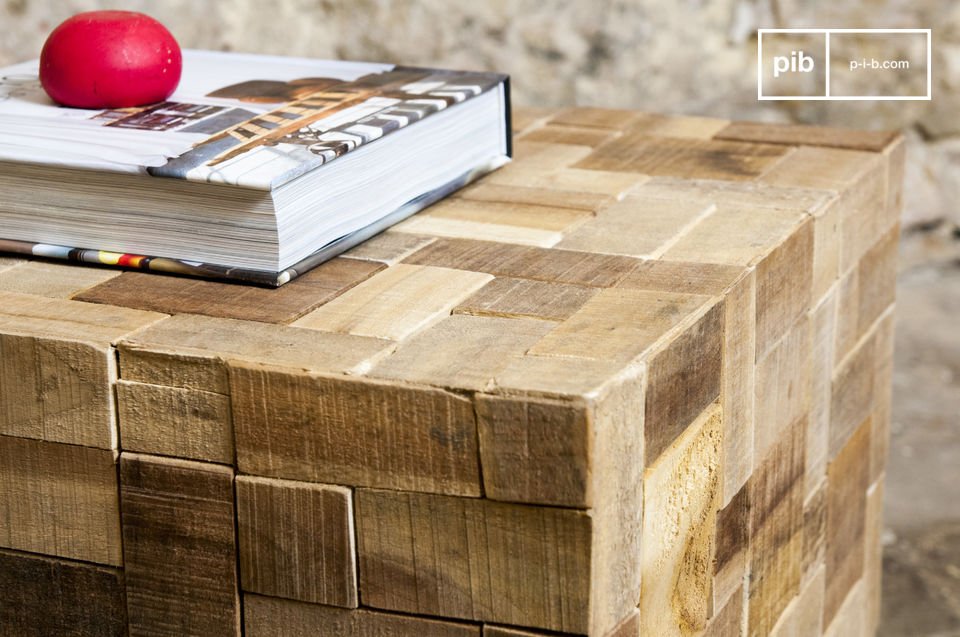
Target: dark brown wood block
[[339, 430], [728, 622], [541, 264], [296, 540], [524, 298], [691, 158], [175, 295], [795, 135], [46, 597], [776, 529], [684, 378], [273, 617], [463, 557], [847, 481], [179, 547]]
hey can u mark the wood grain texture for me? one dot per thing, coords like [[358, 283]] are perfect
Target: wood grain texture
[[728, 621], [619, 324], [396, 302], [534, 451], [179, 547], [58, 366], [175, 295], [609, 118], [190, 351], [567, 134], [851, 618], [795, 134], [539, 264], [776, 530], [598, 182], [296, 540], [873, 555], [540, 195], [686, 277], [731, 554], [804, 615], [823, 325], [877, 276], [459, 557], [274, 617], [389, 247], [814, 530], [42, 596], [522, 298], [56, 280], [851, 399], [636, 152], [861, 225], [59, 500], [895, 155], [636, 226], [681, 498], [461, 352], [882, 396], [684, 377], [847, 482], [345, 431], [173, 421]]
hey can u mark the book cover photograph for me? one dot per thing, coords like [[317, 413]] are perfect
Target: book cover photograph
[[254, 131]]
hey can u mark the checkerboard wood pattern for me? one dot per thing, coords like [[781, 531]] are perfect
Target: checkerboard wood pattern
[[637, 382]]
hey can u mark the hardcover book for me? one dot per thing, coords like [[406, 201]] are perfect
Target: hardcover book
[[257, 168]]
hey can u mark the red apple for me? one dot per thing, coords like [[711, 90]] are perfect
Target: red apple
[[110, 59]]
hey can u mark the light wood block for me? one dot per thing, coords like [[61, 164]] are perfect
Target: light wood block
[[297, 541], [59, 500], [522, 298], [179, 547], [56, 280]]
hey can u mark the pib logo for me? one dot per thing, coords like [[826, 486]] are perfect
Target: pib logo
[[796, 62]]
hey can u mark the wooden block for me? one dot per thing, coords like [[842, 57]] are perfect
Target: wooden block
[[189, 351], [681, 498], [783, 379], [738, 388], [847, 482], [610, 118], [728, 622], [273, 617], [895, 155], [55, 280], [42, 596], [727, 194], [527, 117], [851, 618], [539, 264], [636, 226], [350, 431], [179, 546], [618, 324], [882, 396], [8, 262], [173, 421], [851, 399], [536, 452], [176, 295], [637, 152], [565, 134], [489, 630], [795, 134], [552, 376], [804, 616], [814, 531], [296, 541], [598, 182], [684, 377], [396, 302], [776, 530], [873, 555], [823, 338], [487, 231], [533, 160], [465, 352], [539, 196], [684, 126], [519, 216], [689, 278], [460, 557], [388, 247], [522, 298], [784, 284], [59, 500], [629, 627], [736, 235], [848, 315], [731, 555], [860, 226], [877, 277], [59, 366], [618, 488]]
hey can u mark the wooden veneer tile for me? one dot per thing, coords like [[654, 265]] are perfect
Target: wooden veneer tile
[[795, 134]]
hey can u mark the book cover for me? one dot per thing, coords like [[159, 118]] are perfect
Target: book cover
[[249, 121]]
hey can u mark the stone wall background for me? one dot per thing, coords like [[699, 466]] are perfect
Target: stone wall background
[[684, 56]]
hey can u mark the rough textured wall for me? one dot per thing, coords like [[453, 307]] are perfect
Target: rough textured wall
[[687, 56]]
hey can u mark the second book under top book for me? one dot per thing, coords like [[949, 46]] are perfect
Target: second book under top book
[[258, 168]]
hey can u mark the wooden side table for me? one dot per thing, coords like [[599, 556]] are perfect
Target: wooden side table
[[635, 383]]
